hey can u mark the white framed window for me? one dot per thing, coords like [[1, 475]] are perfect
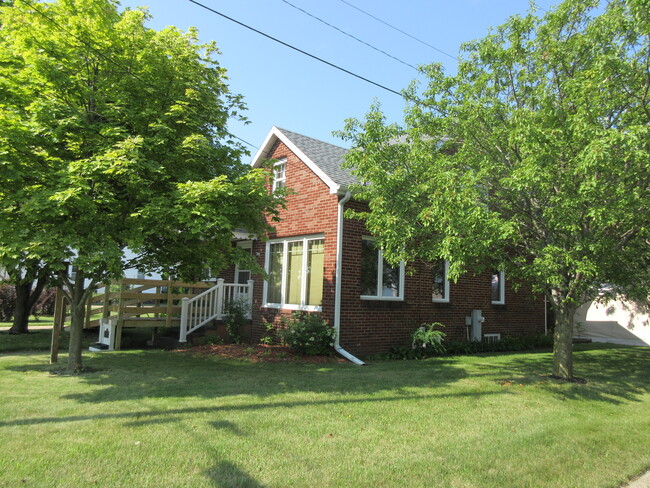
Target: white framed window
[[295, 273], [280, 174], [379, 280], [498, 288], [491, 338], [243, 275], [441, 281]]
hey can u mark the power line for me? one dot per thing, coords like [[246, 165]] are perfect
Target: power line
[[349, 35], [107, 58], [400, 30], [295, 48]]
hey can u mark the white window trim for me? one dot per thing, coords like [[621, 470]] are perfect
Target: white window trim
[[380, 278], [446, 284], [502, 289], [303, 287], [242, 245], [491, 337], [280, 162]]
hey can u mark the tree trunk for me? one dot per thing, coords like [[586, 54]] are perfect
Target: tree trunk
[[563, 342], [21, 312], [26, 298], [77, 319], [78, 316]]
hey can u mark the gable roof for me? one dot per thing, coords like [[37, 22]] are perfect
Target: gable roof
[[321, 157]]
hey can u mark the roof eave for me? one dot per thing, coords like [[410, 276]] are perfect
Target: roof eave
[[265, 149]]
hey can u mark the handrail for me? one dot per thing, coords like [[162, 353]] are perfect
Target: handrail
[[134, 299], [212, 305]]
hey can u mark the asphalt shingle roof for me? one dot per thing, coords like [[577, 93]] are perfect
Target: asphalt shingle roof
[[326, 156]]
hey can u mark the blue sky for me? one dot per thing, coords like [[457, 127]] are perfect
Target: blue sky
[[290, 90]]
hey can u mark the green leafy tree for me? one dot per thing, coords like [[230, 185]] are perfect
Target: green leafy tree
[[29, 280], [534, 158], [114, 135]]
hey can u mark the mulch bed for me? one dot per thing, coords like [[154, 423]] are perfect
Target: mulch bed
[[259, 353]]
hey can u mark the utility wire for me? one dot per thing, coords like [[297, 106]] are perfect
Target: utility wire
[[349, 35], [107, 58], [399, 30], [295, 48]]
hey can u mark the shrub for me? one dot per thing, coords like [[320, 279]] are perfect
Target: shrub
[[7, 302], [506, 344], [427, 337], [307, 334], [236, 311], [209, 340], [46, 302], [271, 334]]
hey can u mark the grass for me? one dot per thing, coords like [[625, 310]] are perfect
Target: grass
[[156, 418], [41, 340], [44, 320]]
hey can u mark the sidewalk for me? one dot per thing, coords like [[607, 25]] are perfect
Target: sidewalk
[[641, 482], [31, 327]]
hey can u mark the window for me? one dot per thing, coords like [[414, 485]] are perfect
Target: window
[[379, 280], [440, 281], [280, 174], [490, 338], [498, 288], [243, 275], [295, 273]]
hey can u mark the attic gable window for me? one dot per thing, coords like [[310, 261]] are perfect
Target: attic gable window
[[280, 174], [379, 280]]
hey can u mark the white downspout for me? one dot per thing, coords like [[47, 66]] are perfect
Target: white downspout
[[337, 288]]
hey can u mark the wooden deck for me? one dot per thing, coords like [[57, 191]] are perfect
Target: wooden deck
[[135, 303]]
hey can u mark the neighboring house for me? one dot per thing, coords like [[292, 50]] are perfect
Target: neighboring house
[[132, 273], [319, 261], [619, 321]]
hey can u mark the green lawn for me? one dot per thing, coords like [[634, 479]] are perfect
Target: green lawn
[[169, 419], [45, 321], [41, 340]]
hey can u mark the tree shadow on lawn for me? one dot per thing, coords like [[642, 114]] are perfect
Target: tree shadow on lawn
[[615, 374], [167, 415], [609, 372], [123, 376], [245, 386], [228, 475]]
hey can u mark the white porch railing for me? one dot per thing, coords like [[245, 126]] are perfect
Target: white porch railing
[[212, 305]]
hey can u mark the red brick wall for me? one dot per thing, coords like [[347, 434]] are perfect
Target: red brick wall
[[310, 210], [373, 326]]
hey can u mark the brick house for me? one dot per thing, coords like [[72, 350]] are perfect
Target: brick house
[[375, 306]]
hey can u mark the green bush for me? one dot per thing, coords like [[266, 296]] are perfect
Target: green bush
[[209, 340], [271, 335], [236, 318], [46, 303], [7, 302], [506, 344], [307, 334], [429, 340]]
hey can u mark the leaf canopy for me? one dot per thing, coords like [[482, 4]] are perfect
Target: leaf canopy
[[114, 135], [533, 158]]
